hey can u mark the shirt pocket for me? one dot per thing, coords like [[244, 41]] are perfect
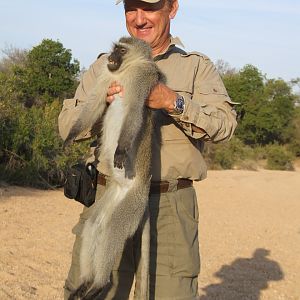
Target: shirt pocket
[[211, 89], [212, 96]]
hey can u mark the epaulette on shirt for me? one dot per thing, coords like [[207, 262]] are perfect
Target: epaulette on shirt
[[187, 54], [101, 55], [195, 53]]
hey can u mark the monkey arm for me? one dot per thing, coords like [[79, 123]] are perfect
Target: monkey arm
[[132, 125], [72, 107]]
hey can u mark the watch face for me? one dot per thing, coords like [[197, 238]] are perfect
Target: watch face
[[179, 104]]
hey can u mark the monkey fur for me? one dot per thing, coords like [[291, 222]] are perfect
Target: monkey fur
[[125, 149]]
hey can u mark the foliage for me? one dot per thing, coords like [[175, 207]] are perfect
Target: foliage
[[12, 56], [224, 68], [267, 106], [294, 140], [31, 151], [279, 158], [236, 155], [34, 82], [47, 74], [228, 155]]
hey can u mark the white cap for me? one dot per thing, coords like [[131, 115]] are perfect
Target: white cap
[[149, 1]]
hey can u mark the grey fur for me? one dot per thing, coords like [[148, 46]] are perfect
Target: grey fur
[[123, 207]]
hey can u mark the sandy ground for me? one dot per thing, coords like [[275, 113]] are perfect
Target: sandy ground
[[249, 235]]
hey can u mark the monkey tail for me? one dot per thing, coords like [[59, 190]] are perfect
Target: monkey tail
[[145, 256]]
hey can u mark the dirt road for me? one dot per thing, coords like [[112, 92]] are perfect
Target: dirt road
[[249, 235]]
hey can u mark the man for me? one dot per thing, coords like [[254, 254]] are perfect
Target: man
[[192, 107]]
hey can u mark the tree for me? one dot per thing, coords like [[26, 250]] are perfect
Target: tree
[[267, 106], [12, 56], [294, 145], [31, 150], [48, 73], [224, 68], [282, 101], [246, 88]]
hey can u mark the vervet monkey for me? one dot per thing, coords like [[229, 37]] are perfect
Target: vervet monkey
[[125, 149]]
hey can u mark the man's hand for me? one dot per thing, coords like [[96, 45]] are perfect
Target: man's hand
[[114, 89], [161, 97]]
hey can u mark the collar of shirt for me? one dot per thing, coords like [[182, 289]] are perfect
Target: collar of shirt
[[173, 42]]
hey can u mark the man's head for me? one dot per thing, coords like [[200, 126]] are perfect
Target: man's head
[[149, 1], [149, 20]]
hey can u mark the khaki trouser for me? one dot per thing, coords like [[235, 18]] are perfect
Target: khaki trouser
[[174, 251]]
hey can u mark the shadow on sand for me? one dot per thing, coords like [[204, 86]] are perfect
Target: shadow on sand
[[245, 278]]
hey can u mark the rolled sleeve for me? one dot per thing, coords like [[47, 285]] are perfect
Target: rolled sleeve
[[209, 107]]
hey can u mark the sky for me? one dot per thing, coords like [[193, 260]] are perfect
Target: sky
[[264, 33]]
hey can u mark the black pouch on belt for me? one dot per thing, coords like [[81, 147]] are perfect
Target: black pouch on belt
[[81, 183]]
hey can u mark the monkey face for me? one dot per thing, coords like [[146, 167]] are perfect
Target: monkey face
[[116, 57]]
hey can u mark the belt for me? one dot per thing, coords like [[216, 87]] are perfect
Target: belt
[[156, 187]]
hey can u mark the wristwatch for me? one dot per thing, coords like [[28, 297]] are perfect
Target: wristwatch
[[178, 105]]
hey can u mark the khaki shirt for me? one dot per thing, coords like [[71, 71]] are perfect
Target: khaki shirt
[[176, 147]]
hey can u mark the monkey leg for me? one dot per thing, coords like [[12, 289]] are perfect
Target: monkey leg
[[125, 159], [120, 157]]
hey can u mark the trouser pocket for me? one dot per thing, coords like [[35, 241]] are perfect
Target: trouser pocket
[[174, 234], [186, 261]]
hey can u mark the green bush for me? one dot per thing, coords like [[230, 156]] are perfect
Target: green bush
[[33, 153], [229, 155], [32, 85], [266, 107], [294, 147], [235, 155], [224, 158], [278, 158]]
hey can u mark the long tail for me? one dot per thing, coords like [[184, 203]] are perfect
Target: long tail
[[145, 257], [115, 218], [100, 238]]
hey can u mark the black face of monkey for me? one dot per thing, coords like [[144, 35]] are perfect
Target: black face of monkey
[[115, 59]]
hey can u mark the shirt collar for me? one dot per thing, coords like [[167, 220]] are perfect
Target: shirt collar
[[173, 42], [176, 41]]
